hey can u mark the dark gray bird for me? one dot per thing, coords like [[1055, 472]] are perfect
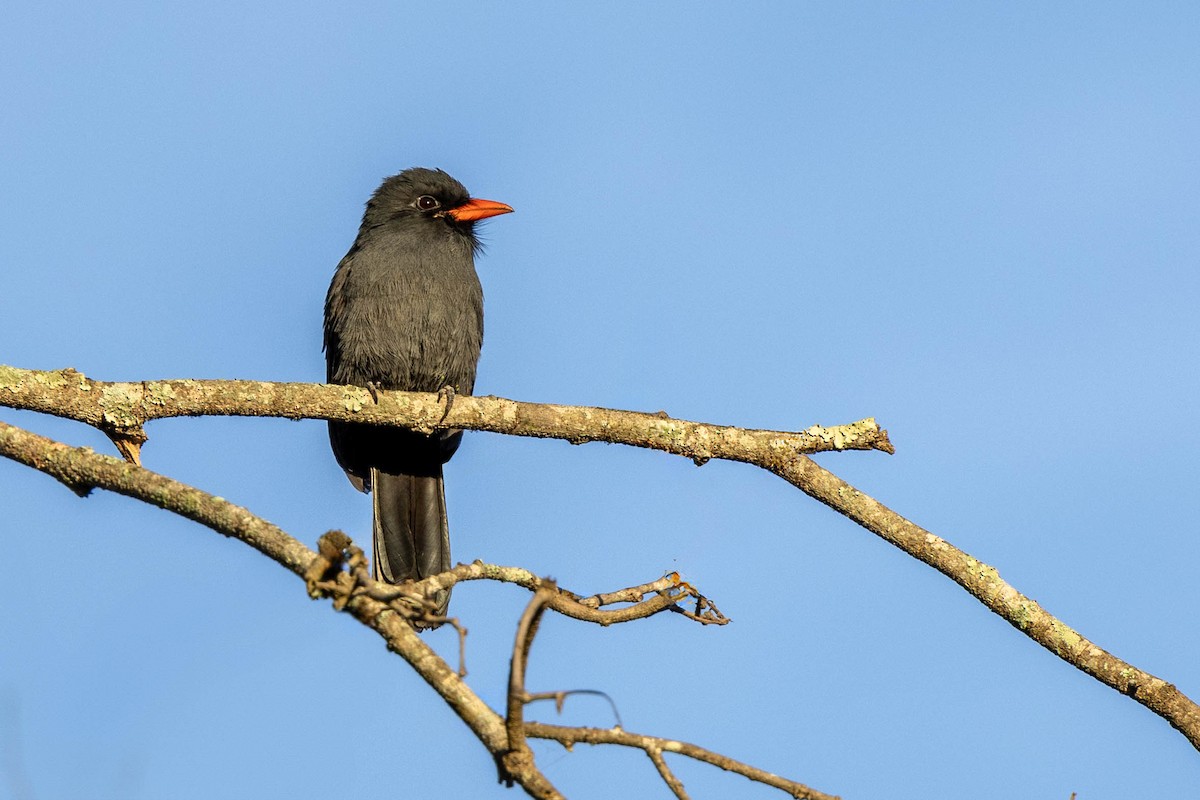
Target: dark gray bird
[[405, 311]]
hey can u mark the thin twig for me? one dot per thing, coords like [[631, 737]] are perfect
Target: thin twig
[[668, 592], [570, 736], [668, 777], [561, 696], [517, 697], [633, 594]]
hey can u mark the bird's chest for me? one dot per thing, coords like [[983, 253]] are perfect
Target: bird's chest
[[419, 328]]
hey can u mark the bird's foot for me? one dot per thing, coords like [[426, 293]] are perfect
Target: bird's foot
[[374, 390]]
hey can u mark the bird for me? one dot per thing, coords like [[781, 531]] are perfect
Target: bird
[[405, 311]]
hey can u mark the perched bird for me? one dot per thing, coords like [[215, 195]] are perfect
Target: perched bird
[[405, 311]]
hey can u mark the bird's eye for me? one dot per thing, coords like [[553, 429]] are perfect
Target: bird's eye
[[427, 203]]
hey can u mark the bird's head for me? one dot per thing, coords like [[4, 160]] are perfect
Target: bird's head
[[428, 194]]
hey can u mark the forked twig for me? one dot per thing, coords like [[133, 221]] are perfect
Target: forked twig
[[569, 736]]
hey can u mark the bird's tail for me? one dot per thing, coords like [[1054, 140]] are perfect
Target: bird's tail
[[412, 537]]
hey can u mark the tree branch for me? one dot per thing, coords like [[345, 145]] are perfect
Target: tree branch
[[121, 408], [388, 610], [984, 583]]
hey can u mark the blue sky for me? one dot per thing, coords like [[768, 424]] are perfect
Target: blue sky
[[975, 222]]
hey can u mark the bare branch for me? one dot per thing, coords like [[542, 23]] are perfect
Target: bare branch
[[121, 409], [352, 589]]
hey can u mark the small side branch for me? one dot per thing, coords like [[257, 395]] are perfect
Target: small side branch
[[650, 744], [660, 764], [648, 599], [518, 753]]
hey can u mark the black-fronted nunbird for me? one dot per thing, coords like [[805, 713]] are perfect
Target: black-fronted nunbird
[[405, 311]]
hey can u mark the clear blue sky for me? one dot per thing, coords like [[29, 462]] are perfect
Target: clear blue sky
[[979, 223]]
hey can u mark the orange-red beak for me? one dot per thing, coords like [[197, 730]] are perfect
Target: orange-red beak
[[476, 208]]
